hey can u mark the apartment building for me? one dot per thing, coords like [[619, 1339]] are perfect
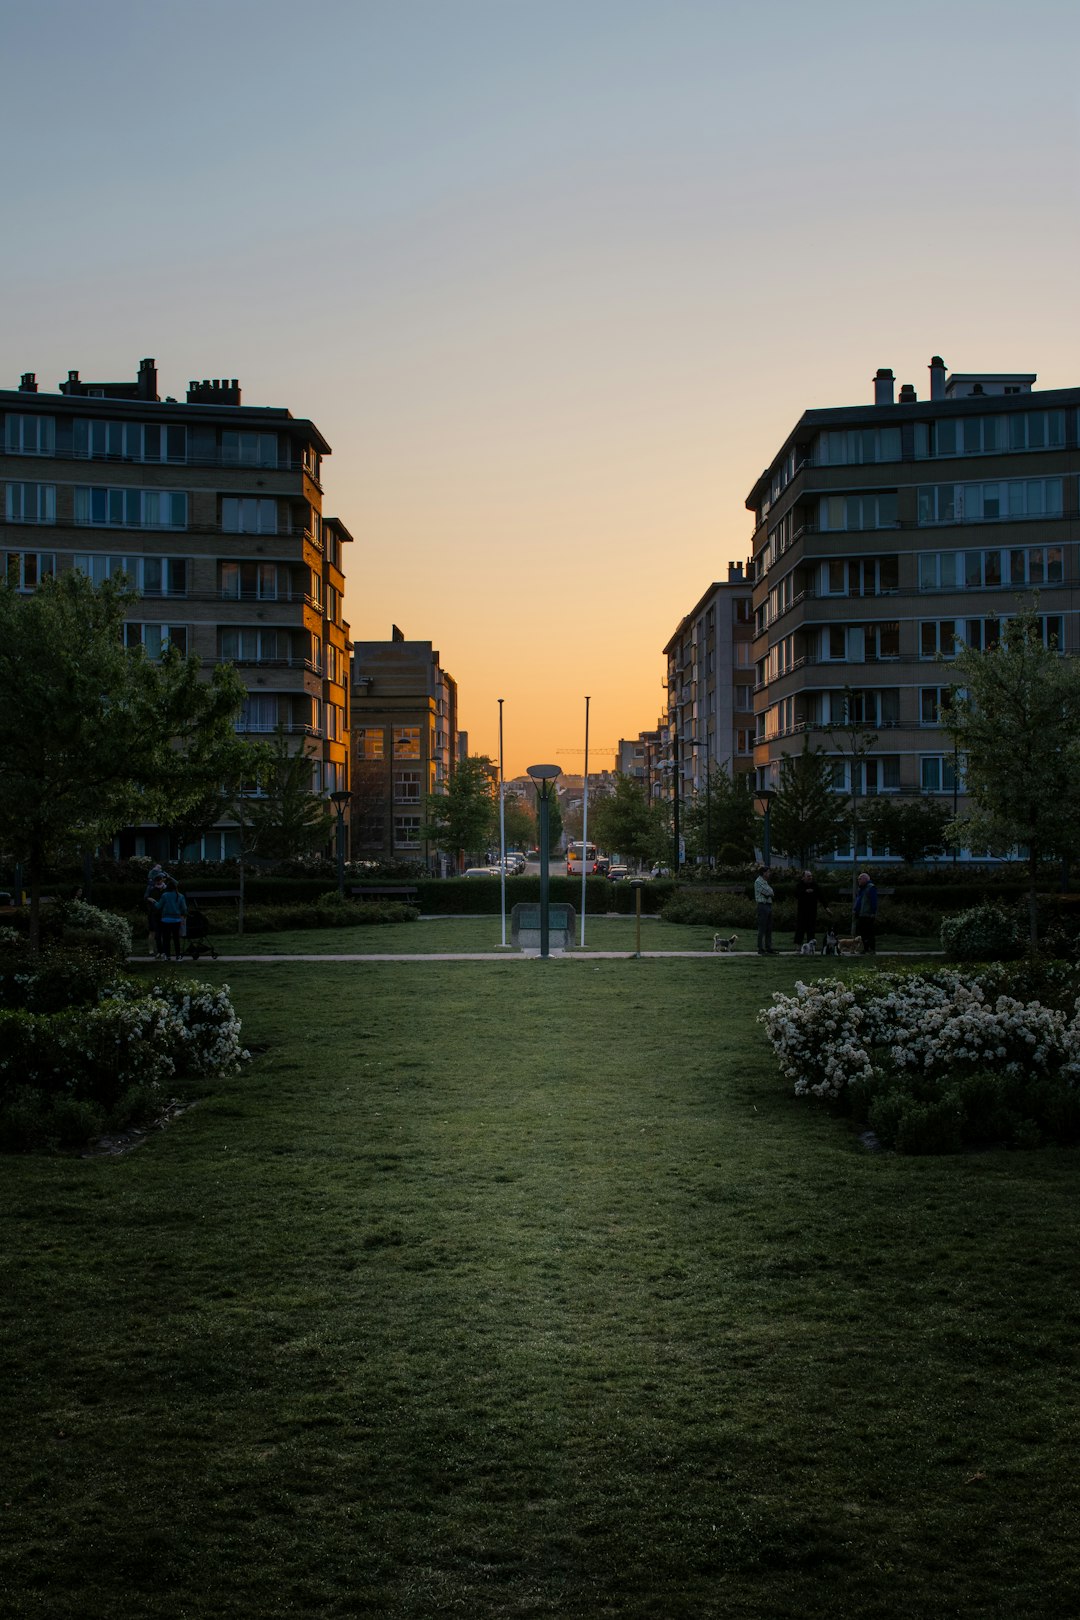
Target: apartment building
[[405, 745], [710, 685], [887, 535], [212, 510]]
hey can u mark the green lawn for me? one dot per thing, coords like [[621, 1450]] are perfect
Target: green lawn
[[442, 934], [526, 1289]]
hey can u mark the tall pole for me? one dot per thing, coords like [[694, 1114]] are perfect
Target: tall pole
[[502, 825], [340, 808], [708, 807], [543, 794], [585, 824], [676, 768]]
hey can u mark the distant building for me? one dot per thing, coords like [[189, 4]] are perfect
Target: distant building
[[886, 536], [213, 511], [405, 745], [710, 684]]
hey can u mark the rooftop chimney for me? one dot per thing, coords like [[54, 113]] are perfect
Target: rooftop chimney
[[219, 392], [883, 386], [147, 384], [908, 395], [937, 377], [28, 383], [735, 573]]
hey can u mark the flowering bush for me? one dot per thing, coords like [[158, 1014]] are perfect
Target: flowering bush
[[112, 1059], [983, 934], [934, 1061], [91, 924]]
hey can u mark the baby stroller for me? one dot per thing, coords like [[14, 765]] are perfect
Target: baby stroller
[[197, 943]]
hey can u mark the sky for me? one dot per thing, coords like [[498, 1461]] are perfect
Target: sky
[[555, 278]]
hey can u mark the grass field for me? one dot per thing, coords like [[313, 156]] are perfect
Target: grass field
[[512, 1290], [450, 934]]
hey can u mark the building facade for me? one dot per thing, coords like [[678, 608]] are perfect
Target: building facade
[[212, 510], [886, 536], [710, 686], [405, 745]]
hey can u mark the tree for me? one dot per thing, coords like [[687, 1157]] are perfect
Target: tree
[[1015, 722], [807, 815], [288, 818], [464, 819], [721, 821], [914, 829], [519, 822], [94, 735], [624, 823]]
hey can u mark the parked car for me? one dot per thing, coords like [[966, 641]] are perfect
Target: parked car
[[515, 859], [482, 871], [617, 872]]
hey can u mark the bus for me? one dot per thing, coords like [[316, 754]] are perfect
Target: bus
[[579, 855]]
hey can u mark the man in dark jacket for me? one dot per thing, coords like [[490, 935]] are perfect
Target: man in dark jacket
[[866, 912]]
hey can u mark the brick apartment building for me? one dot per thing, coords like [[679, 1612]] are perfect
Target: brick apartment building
[[213, 511]]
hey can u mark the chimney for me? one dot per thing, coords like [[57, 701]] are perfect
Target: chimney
[[28, 383], [937, 377], [220, 391], [908, 395], [147, 383], [883, 386], [734, 573]]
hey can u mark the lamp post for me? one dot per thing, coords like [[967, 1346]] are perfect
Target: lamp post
[[703, 742], [765, 797], [543, 777], [676, 767], [339, 800]]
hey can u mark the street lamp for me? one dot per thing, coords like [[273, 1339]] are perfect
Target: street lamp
[[703, 742], [543, 777], [339, 800], [765, 797]]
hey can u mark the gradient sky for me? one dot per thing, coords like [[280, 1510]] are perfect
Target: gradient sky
[[554, 277]]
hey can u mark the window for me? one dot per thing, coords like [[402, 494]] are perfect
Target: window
[[248, 514], [253, 646], [335, 722], [252, 581], [987, 503], [743, 610], [859, 576], [30, 503], [260, 713], [744, 741], [156, 639], [248, 449], [937, 636], [406, 742], [315, 587], [857, 446], [933, 701], [858, 511], [98, 440], [407, 785], [30, 435], [406, 832], [744, 697], [991, 435], [152, 576], [24, 570], [131, 508], [371, 742], [937, 774]]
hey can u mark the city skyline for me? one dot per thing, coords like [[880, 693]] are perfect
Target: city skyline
[[553, 282]]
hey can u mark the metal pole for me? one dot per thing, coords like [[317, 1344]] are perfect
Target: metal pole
[[708, 806], [502, 826], [637, 920], [543, 795], [766, 848], [585, 824], [340, 808], [676, 767]]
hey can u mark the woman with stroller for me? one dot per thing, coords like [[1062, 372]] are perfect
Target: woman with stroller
[[171, 911]]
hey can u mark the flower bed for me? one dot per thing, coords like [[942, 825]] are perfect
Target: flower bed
[[935, 1062]]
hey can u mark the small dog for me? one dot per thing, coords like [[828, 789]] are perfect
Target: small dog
[[724, 942], [831, 943], [808, 948], [850, 946]]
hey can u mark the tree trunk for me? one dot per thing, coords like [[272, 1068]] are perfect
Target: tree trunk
[[35, 900], [1033, 913]]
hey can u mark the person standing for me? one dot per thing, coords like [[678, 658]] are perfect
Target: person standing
[[763, 899], [155, 888], [806, 907], [171, 910], [865, 909]]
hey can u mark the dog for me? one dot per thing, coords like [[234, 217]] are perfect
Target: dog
[[830, 947], [724, 942], [808, 948], [849, 946]]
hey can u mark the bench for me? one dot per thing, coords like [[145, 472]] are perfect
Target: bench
[[525, 926], [383, 891], [211, 894]]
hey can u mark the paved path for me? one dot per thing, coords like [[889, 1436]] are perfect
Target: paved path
[[510, 955]]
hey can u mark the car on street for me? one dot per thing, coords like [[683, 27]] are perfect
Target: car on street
[[482, 871], [617, 872]]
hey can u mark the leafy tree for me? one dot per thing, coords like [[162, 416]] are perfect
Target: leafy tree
[[94, 735], [914, 829], [464, 819], [519, 822], [855, 744], [721, 822], [288, 818], [1015, 721], [807, 815], [624, 823]]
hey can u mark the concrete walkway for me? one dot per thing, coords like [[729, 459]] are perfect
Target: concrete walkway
[[510, 955]]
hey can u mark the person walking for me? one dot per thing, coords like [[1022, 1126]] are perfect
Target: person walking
[[763, 899], [155, 888], [171, 910], [806, 908], [865, 909]]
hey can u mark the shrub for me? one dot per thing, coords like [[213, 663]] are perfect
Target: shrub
[[986, 933], [94, 926], [938, 1061], [56, 978]]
